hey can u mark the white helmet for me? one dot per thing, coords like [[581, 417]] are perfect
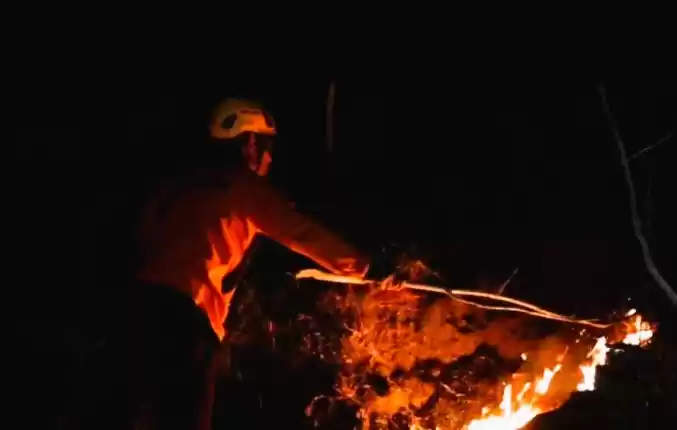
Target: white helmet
[[233, 117]]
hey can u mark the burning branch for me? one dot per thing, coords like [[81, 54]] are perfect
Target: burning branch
[[636, 220]]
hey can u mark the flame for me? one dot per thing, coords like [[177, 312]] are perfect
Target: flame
[[390, 334], [517, 414], [639, 332]]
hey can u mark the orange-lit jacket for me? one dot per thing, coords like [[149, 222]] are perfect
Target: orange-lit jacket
[[195, 235]]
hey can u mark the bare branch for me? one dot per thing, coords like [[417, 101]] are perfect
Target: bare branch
[[329, 117], [636, 221], [501, 289], [650, 147]]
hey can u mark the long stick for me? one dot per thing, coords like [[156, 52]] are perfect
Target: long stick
[[524, 307]]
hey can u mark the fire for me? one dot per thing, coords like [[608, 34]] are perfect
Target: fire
[[639, 332], [597, 357], [403, 364], [513, 415]]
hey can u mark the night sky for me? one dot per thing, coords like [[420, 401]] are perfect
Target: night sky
[[477, 176]]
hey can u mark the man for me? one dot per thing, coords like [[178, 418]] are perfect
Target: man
[[196, 232]]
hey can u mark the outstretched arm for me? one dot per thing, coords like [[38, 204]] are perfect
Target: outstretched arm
[[254, 199]]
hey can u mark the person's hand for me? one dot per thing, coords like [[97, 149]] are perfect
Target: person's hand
[[393, 273], [353, 267], [384, 274]]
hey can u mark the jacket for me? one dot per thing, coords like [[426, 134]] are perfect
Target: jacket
[[195, 233]]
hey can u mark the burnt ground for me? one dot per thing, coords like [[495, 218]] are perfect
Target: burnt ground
[[524, 174]]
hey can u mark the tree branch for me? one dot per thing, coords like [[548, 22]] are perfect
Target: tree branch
[[650, 147], [636, 221], [329, 117]]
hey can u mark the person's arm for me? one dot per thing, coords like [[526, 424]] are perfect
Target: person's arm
[[253, 198]]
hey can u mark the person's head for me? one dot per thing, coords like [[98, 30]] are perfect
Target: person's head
[[245, 126]]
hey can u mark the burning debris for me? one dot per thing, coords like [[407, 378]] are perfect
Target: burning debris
[[403, 359], [408, 364]]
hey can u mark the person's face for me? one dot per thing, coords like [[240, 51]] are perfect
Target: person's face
[[258, 152]]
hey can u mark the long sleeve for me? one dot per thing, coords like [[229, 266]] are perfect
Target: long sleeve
[[254, 199]]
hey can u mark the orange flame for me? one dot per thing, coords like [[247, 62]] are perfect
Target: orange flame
[[390, 333], [513, 416]]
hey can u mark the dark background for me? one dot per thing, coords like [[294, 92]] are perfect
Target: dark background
[[477, 176]]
